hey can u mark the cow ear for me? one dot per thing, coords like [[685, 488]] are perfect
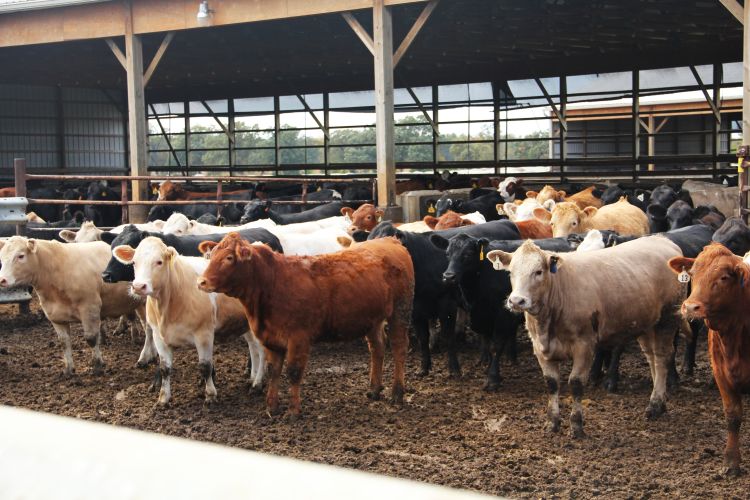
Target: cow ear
[[107, 237], [555, 261], [347, 212], [67, 235], [31, 245], [2, 244], [590, 211], [656, 211], [500, 260], [191, 224], [124, 254], [679, 264], [379, 214], [344, 241], [430, 221], [500, 210], [466, 222], [542, 215], [171, 253], [206, 246], [158, 224], [531, 194], [439, 241], [244, 253]]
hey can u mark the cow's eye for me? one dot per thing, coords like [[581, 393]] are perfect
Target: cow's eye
[[538, 273], [724, 277], [230, 258], [369, 217], [159, 262], [575, 223], [21, 257]]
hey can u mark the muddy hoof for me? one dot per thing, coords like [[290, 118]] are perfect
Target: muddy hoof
[[491, 385], [373, 395], [576, 432], [552, 427], [210, 402], [655, 409], [97, 369], [731, 471], [397, 398], [610, 386], [161, 405], [423, 372], [454, 374], [293, 417]]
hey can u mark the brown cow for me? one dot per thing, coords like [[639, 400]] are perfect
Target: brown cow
[[8, 192], [365, 218], [292, 302], [583, 198], [171, 191], [534, 229], [721, 296], [448, 220]]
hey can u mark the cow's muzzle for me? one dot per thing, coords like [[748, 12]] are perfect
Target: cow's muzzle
[[518, 303], [693, 310], [449, 278], [203, 285]]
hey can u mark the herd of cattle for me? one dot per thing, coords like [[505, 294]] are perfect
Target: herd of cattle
[[585, 273]]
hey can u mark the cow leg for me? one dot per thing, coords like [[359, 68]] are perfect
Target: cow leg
[[206, 367], [583, 356], [551, 372], [63, 334], [275, 363], [688, 361], [658, 347], [149, 352], [398, 336], [122, 325], [376, 344], [296, 361], [448, 331], [166, 357], [731, 400], [256, 361], [421, 328], [511, 344], [92, 334], [597, 367], [613, 369]]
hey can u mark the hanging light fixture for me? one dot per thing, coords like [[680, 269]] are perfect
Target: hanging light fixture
[[205, 15]]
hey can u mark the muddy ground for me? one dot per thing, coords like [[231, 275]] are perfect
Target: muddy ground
[[449, 432]]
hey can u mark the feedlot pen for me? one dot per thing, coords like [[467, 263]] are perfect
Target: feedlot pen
[[449, 431]]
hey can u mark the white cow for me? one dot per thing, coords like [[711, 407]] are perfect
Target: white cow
[[67, 278], [89, 232], [178, 224], [524, 210], [180, 314]]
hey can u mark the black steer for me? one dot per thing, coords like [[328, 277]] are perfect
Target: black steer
[[102, 215], [484, 204], [261, 209], [735, 235]]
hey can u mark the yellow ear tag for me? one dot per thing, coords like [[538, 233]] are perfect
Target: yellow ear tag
[[154, 191], [104, 194], [481, 253], [431, 209], [740, 168]]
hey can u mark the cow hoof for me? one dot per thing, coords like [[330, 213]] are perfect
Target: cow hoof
[[455, 374], [374, 395], [423, 372], [67, 374], [491, 386], [292, 417], [397, 398], [97, 368], [610, 386], [655, 409], [210, 402], [161, 405], [731, 471], [552, 427]]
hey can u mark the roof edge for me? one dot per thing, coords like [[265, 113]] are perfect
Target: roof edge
[[41, 4]]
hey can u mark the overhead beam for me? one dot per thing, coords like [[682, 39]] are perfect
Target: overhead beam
[[216, 119], [384, 106], [359, 30], [423, 110], [414, 31], [157, 57], [555, 110], [734, 7], [709, 100], [117, 52], [310, 111]]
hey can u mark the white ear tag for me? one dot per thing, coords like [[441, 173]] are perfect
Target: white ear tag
[[640, 196], [683, 277], [498, 265]]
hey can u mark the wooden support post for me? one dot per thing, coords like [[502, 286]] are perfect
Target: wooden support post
[[157, 57], [219, 194], [563, 130], [496, 126], [326, 137], [436, 119], [186, 110], [414, 31], [384, 108], [233, 135], [716, 126], [636, 126], [359, 30], [651, 140], [19, 173], [136, 114], [124, 200], [734, 8], [276, 132], [712, 105], [743, 175]]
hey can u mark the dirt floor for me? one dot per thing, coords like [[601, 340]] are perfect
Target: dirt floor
[[449, 432]]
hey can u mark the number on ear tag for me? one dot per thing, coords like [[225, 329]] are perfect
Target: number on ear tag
[[497, 265], [683, 277]]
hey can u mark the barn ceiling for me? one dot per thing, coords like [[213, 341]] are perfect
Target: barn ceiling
[[463, 41]]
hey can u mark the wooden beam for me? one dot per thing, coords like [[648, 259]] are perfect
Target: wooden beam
[[717, 113], [414, 31], [359, 30], [423, 110], [661, 124], [310, 111], [384, 122], [137, 128], [216, 118], [558, 115], [117, 52], [734, 7], [743, 175], [157, 57]]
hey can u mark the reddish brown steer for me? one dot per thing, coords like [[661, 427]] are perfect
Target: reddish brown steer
[[171, 191], [721, 296], [292, 302]]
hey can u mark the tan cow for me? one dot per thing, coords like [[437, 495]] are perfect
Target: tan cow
[[569, 312], [567, 218], [180, 314], [583, 199], [67, 279]]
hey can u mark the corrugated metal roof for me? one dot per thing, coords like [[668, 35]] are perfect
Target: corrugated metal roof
[[18, 5]]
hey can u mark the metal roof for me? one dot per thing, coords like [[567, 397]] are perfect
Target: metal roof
[[19, 5]]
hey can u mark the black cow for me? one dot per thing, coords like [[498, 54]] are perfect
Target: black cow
[[102, 215], [185, 245], [483, 293], [484, 204], [192, 212], [434, 299], [735, 235], [680, 214], [261, 209], [37, 231]]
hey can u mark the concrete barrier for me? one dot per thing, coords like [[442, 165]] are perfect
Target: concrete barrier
[[46, 456]]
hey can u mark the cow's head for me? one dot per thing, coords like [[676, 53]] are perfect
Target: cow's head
[[566, 218], [116, 271], [88, 232], [663, 195], [448, 220], [465, 254], [365, 218], [679, 215], [226, 257], [510, 187], [255, 210], [657, 218], [152, 262], [531, 270], [735, 235], [178, 224], [446, 203], [170, 191], [18, 261], [719, 279], [547, 193]]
